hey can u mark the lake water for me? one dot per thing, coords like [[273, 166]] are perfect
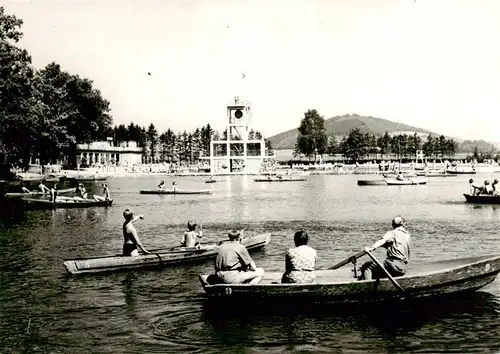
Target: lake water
[[43, 310]]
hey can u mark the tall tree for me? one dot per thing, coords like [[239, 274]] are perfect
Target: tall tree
[[312, 138], [355, 146], [152, 138]]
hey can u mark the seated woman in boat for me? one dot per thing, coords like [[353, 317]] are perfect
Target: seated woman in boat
[[161, 186], [475, 189], [234, 265], [106, 194], [189, 237], [400, 176], [300, 261], [131, 240], [43, 188], [398, 244]]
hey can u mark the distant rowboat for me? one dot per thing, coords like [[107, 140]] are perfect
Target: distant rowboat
[[37, 193], [177, 191], [482, 199], [60, 203], [372, 182], [405, 182], [461, 172], [172, 256], [287, 179]]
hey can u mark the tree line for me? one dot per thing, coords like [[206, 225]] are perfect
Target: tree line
[[46, 113], [174, 147], [313, 140]]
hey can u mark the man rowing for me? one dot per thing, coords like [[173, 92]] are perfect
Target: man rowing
[[131, 240], [43, 188], [398, 244], [161, 186], [234, 265], [53, 193], [475, 189]]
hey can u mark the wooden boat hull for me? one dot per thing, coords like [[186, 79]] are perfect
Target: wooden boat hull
[[172, 257], [405, 182], [336, 286], [423, 174], [210, 181], [453, 172], [482, 199], [22, 194], [183, 191], [280, 180], [63, 203], [380, 182]]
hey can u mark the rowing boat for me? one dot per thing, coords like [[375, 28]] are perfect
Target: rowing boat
[[482, 198], [338, 286], [371, 182], [210, 181], [461, 172], [290, 179], [177, 191], [37, 193], [37, 204], [175, 255], [405, 182]]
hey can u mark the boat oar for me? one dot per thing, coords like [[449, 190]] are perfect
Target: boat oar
[[348, 260], [393, 281]]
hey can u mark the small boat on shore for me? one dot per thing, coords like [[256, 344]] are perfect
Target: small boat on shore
[[482, 198], [172, 256], [38, 193], [405, 182], [177, 191], [338, 286], [284, 179], [372, 182], [60, 203]]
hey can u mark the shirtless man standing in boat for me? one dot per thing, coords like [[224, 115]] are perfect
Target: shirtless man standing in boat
[[398, 244], [131, 240], [234, 265]]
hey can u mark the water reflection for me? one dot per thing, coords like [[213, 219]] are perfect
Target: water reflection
[[405, 327]]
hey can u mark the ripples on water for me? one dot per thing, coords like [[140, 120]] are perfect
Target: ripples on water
[[159, 311]]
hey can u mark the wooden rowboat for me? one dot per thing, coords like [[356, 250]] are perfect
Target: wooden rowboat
[[178, 191], [291, 179], [37, 204], [405, 182], [461, 172], [37, 193], [210, 181], [176, 255], [338, 286], [372, 182], [482, 198]]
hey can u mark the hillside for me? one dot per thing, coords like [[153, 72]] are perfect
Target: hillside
[[342, 125]]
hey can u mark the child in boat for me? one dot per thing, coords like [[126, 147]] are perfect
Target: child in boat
[[161, 186], [300, 261], [189, 237], [488, 189]]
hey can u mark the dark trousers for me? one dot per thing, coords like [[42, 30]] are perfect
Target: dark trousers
[[370, 270]]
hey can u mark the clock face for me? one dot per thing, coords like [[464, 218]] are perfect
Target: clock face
[[238, 114]]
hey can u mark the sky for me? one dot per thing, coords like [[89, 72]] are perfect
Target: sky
[[434, 64]]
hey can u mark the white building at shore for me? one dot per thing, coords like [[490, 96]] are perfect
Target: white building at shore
[[239, 153], [104, 153]]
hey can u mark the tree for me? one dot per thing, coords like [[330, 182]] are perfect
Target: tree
[[312, 138], [152, 138], [429, 146], [355, 146], [384, 144], [333, 148]]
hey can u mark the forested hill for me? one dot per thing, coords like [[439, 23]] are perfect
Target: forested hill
[[342, 125]]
